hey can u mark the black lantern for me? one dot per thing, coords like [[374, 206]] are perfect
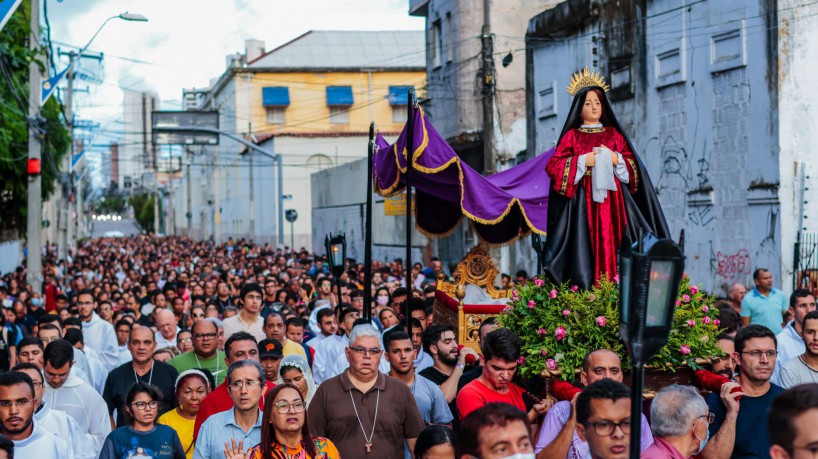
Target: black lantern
[[336, 256], [650, 274]]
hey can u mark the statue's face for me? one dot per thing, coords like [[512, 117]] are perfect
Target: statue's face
[[592, 109]]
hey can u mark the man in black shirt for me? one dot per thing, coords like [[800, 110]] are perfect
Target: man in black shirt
[[142, 368], [440, 342]]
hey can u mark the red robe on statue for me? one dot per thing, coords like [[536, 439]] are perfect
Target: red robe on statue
[[607, 220]]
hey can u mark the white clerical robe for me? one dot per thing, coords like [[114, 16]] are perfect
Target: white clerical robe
[[77, 398], [101, 336], [42, 444], [64, 426], [328, 351]]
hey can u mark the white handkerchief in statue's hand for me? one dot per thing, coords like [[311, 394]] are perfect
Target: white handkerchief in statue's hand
[[602, 180]]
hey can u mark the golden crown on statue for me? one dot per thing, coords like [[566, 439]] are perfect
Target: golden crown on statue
[[584, 79]]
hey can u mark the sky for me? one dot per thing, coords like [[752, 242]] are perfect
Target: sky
[[184, 42]]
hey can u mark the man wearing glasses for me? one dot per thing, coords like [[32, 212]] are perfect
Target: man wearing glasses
[[17, 406], [240, 346], [604, 419], [740, 428], [382, 409], [242, 423], [205, 354]]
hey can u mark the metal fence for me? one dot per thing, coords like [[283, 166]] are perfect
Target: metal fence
[[805, 262]]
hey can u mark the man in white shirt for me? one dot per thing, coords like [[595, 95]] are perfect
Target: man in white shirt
[[331, 349], [166, 323], [790, 342], [325, 323], [17, 404], [66, 392], [249, 317], [55, 421], [123, 331], [99, 334]]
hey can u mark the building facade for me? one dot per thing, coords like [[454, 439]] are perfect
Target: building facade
[[709, 95], [311, 101], [467, 71]]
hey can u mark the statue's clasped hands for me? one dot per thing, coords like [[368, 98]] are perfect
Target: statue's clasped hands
[[590, 158]]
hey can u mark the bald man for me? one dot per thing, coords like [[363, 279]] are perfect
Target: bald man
[[166, 324], [735, 294], [558, 437]]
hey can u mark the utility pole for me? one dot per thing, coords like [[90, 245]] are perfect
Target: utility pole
[[189, 213], [66, 228], [252, 213], [487, 41], [34, 276]]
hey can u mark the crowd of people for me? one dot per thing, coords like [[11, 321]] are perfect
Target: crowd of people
[[174, 348]]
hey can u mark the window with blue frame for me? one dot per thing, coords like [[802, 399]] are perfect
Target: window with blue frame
[[276, 99], [397, 100]]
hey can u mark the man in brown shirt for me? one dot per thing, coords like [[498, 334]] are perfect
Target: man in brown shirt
[[365, 413]]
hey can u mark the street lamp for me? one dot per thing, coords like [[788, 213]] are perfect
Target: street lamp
[[336, 255], [648, 288]]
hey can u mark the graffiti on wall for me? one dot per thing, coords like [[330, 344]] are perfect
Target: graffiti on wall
[[733, 267]]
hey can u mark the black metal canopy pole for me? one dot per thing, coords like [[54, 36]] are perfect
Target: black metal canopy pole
[[410, 151], [368, 230]]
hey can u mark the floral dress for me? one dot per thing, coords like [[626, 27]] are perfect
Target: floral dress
[[324, 448]]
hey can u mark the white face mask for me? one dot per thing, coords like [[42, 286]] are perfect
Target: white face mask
[[382, 300]]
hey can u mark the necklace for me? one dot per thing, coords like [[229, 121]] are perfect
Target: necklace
[[214, 373], [150, 377], [374, 420]]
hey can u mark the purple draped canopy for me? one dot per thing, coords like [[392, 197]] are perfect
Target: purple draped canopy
[[501, 207]]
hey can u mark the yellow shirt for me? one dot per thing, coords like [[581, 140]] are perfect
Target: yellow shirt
[[183, 428], [294, 348]]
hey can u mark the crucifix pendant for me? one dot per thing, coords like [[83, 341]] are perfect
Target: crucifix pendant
[[369, 447]]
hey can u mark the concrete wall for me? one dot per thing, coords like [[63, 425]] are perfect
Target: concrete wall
[[339, 204], [797, 137], [700, 108]]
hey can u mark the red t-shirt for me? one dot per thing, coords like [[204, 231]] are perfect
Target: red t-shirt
[[475, 395], [217, 401]]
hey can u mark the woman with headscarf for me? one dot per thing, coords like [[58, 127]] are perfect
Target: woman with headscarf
[[191, 388], [600, 191], [294, 370]]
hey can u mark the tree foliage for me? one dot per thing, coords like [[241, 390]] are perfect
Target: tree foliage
[[143, 210], [112, 205], [14, 129]]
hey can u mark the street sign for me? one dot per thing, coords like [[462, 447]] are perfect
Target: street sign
[[7, 8], [175, 119], [395, 206], [291, 215]]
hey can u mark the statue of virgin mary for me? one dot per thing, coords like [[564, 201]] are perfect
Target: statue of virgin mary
[[600, 191]]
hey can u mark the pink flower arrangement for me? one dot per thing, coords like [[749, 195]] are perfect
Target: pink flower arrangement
[[694, 289], [575, 288], [686, 298], [601, 321], [591, 297], [544, 353], [678, 303], [531, 304], [691, 323], [566, 312], [705, 308], [685, 276], [542, 331], [706, 319], [716, 322], [539, 282], [508, 309], [553, 294], [616, 278], [684, 350], [515, 295], [521, 360], [560, 333], [551, 364]]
